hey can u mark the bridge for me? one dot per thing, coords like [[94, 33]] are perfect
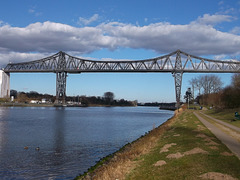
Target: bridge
[[177, 63]]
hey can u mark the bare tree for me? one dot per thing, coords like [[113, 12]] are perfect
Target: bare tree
[[236, 81], [216, 84], [210, 83]]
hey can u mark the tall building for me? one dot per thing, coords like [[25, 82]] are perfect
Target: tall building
[[4, 84]]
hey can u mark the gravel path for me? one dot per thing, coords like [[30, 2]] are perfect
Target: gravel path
[[229, 141], [223, 123]]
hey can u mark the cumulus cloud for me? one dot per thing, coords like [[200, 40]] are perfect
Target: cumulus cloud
[[13, 57], [18, 43], [50, 37]]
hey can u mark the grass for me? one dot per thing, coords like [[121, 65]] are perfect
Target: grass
[[226, 115], [190, 166]]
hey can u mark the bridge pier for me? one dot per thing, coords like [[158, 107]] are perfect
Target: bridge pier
[[178, 84], [178, 77], [61, 79]]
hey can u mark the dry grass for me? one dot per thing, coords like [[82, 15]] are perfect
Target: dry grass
[[217, 176]]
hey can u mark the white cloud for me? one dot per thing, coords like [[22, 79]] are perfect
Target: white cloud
[[219, 57], [14, 57], [85, 21], [16, 44], [208, 19]]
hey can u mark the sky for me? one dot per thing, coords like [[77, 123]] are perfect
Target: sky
[[112, 30]]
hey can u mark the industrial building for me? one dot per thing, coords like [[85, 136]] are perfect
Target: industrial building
[[4, 84]]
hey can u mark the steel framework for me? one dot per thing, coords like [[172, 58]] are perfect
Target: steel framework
[[177, 63]]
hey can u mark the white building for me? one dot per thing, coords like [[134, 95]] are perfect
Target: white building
[[4, 84]]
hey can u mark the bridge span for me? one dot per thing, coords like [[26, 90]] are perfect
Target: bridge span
[[177, 63]]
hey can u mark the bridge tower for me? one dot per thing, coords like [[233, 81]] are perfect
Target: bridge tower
[[61, 78], [177, 74]]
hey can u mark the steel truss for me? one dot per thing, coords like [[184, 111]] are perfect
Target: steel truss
[[178, 78], [177, 63], [61, 79]]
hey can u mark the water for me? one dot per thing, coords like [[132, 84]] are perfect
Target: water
[[70, 139]]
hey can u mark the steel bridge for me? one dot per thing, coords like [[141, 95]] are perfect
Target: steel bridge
[[177, 63]]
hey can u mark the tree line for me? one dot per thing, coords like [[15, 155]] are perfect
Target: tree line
[[210, 91], [25, 97], [107, 98]]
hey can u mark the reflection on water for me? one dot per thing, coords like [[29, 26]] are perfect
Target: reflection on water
[[70, 140], [3, 128]]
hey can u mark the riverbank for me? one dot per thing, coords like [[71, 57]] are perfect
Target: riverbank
[[181, 148], [11, 104]]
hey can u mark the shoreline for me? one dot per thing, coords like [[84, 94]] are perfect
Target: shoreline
[[152, 156], [8, 104], [121, 160]]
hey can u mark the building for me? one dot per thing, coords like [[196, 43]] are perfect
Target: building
[[4, 84]]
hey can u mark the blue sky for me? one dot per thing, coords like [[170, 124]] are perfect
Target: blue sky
[[119, 29]]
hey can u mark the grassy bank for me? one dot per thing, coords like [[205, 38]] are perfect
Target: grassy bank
[[181, 148]]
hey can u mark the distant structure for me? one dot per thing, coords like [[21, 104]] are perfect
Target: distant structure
[[4, 84]]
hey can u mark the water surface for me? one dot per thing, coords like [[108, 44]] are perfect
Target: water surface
[[70, 140]]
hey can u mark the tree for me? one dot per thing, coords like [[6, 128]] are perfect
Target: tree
[[13, 93], [109, 97], [188, 96], [236, 81], [22, 97], [209, 84]]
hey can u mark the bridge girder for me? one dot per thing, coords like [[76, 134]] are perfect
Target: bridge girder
[[189, 63], [177, 63]]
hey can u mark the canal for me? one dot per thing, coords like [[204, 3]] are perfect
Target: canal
[[60, 143]]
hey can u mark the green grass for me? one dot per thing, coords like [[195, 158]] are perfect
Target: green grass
[[226, 115], [189, 166]]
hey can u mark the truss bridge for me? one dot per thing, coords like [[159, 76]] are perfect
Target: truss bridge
[[177, 63]]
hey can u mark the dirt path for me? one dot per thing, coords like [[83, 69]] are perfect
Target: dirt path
[[223, 123], [228, 140]]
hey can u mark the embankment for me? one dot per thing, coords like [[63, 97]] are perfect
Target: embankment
[[181, 148]]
